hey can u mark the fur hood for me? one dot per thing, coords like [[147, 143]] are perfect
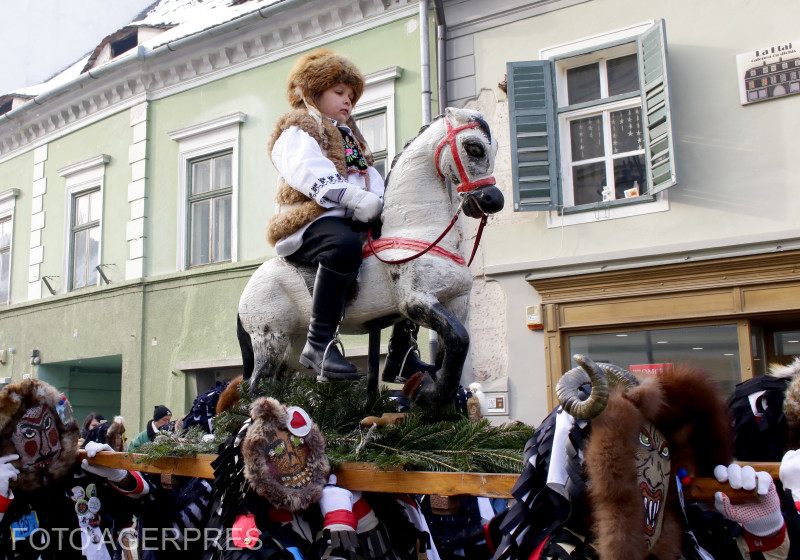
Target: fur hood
[[268, 416], [685, 405], [15, 399]]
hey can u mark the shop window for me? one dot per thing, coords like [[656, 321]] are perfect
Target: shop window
[[714, 348], [591, 124]]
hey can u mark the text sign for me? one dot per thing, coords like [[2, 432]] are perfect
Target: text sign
[[768, 72], [652, 369]]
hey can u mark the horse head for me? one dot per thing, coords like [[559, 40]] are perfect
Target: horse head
[[465, 155]]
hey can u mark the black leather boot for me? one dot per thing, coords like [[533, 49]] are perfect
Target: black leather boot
[[403, 346], [327, 310]]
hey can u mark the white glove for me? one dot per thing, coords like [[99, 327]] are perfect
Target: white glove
[[790, 472], [113, 475], [7, 472], [366, 206], [93, 447], [760, 518], [337, 507]]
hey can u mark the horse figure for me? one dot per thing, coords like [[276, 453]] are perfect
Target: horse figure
[[395, 281]]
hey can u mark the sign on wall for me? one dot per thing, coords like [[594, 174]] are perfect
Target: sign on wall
[[769, 72]]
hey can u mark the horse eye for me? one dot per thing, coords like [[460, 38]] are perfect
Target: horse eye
[[474, 149]]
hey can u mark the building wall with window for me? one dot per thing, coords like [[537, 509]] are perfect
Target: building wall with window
[[130, 311], [713, 184]]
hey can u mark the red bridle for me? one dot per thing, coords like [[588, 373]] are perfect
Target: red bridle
[[450, 138], [373, 248]]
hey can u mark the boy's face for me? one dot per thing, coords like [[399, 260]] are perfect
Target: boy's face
[[337, 102]]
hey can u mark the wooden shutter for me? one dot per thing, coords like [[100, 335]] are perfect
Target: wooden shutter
[[656, 111], [534, 151]]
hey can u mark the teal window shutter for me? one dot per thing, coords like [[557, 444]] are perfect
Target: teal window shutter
[[656, 111], [534, 152]]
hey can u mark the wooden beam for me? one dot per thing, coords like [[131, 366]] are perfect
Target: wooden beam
[[367, 478]]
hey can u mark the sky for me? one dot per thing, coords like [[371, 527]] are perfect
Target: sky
[[39, 38]]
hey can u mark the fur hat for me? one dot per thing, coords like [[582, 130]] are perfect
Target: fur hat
[[15, 400], [317, 71], [268, 417], [791, 401]]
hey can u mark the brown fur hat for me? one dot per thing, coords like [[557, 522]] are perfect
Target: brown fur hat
[[685, 404], [317, 71], [15, 399], [269, 416], [791, 399]]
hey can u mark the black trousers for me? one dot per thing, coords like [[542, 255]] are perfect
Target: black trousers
[[332, 242]]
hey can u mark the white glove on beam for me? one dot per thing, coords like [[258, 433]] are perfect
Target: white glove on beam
[[8, 472], [760, 518], [113, 475], [366, 206], [337, 507], [790, 472]]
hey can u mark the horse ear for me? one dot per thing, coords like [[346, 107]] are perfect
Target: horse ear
[[450, 112]]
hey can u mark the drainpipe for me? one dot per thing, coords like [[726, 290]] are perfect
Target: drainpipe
[[425, 65], [441, 57]]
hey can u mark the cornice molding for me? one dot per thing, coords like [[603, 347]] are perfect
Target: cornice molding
[[691, 276], [162, 73]]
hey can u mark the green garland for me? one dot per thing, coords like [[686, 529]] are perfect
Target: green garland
[[427, 439]]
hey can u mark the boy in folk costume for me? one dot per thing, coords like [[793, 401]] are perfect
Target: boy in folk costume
[[328, 194]]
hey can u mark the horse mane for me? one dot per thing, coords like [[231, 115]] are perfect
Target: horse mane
[[483, 125]]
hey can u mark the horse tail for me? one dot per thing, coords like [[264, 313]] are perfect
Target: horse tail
[[246, 346]]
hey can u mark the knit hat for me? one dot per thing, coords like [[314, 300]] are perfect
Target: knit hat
[[317, 71], [160, 411]]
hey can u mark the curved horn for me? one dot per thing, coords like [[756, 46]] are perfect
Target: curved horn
[[601, 376], [568, 387], [619, 377]]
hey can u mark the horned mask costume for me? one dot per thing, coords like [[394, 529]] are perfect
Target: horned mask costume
[[604, 465]]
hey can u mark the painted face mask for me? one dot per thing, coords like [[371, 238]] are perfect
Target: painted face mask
[[652, 468], [37, 439], [284, 455]]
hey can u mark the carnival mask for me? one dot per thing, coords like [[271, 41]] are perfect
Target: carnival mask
[[37, 439], [284, 455], [652, 468]]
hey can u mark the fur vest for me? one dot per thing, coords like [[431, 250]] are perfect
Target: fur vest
[[294, 209]]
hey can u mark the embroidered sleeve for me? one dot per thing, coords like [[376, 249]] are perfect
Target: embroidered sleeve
[[300, 161]]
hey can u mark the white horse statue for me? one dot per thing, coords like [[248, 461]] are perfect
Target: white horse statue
[[395, 281]]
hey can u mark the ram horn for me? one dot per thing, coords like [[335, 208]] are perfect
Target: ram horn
[[600, 377]]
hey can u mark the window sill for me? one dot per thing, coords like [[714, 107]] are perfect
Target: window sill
[[588, 213]]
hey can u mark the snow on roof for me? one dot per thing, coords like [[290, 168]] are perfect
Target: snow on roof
[[182, 17], [194, 16]]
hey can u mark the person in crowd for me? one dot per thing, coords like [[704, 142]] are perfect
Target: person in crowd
[[91, 421], [161, 418], [112, 433], [52, 505]]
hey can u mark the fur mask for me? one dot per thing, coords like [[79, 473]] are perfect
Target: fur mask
[[18, 399], [284, 455]]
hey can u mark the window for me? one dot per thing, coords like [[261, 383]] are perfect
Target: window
[[591, 124], [373, 128], [714, 348], [83, 222], [210, 209], [208, 191], [5, 258], [86, 210]]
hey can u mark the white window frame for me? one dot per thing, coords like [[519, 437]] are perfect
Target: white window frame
[[81, 177], [196, 142], [8, 202], [594, 49], [379, 96]]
